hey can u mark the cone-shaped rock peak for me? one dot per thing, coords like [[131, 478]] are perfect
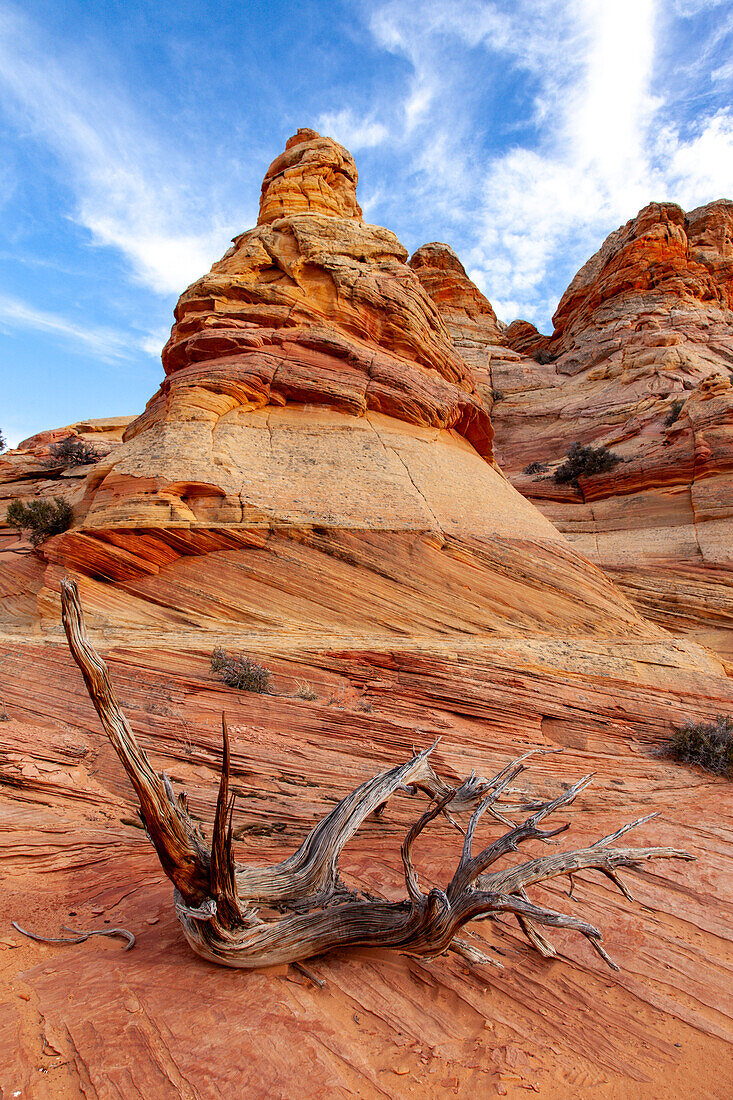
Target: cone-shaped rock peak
[[316, 307]]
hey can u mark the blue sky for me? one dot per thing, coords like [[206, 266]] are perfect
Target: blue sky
[[135, 134]]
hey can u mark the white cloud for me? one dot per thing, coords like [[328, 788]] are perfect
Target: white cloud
[[723, 72], [604, 138], [134, 192], [152, 342], [355, 133], [687, 8], [603, 131], [108, 344], [105, 343], [701, 168]]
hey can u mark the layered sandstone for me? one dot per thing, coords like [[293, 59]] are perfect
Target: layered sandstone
[[74, 1019], [468, 315], [316, 420], [639, 361], [314, 484]]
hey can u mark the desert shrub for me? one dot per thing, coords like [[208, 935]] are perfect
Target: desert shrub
[[3, 444], [238, 671], [42, 518], [584, 461], [542, 355], [304, 690], [674, 411], [497, 395], [535, 468], [72, 452], [709, 744]]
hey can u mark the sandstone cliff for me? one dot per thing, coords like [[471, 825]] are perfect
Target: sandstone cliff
[[640, 362], [314, 483]]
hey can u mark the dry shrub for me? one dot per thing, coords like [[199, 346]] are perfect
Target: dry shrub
[[709, 744], [238, 671], [72, 452]]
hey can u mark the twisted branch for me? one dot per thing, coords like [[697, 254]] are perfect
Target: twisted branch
[[214, 896]]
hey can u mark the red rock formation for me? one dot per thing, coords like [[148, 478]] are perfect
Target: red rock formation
[[72, 852], [468, 315], [640, 362], [312, 484], [314, 175]]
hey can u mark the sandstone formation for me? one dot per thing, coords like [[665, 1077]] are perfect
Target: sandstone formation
[[640, 361], [468, 315], [314, 484]]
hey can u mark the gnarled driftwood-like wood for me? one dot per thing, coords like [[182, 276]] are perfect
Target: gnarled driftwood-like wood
[[217, 900]]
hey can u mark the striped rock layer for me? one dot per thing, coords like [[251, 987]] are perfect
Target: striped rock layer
[[640, 361]]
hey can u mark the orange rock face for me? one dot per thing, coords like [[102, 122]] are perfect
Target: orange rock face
[[468, 315], [640, 362], [314, 484], [314, 175]]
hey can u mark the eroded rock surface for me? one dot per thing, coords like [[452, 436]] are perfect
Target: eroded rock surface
[[159, 1021], [640, 362]]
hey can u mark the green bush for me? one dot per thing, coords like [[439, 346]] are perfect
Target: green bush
[[2, 442], [535, 468], [584, 461], [709, 744], [72, 452], [42, 518], [238, 671]]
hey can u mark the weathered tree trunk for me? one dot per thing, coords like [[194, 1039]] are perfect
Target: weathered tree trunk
[[216, 899]]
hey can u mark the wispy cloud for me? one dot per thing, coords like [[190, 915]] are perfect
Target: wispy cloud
[[526, 129], [134, 192], [107, 344], [355, 133], [608, 130]]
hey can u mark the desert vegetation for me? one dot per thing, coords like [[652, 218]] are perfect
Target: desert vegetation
[[584, 462], [709, 744], [41, 518], [72, 452], [674, 411], [240, 672], [542, 355]]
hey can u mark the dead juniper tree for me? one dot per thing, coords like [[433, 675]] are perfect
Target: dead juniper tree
[[218, 901]]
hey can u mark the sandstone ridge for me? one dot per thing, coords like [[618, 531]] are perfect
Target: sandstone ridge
[[640, 362]]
